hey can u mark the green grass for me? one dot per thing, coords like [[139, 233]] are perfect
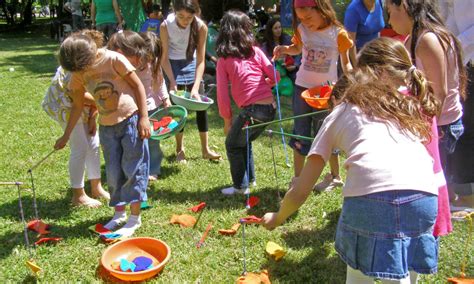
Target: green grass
[[27, 135]]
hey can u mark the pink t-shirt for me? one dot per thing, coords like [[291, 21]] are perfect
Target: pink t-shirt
[[155, 95], [114, 97], [247, 79], [380, 157]]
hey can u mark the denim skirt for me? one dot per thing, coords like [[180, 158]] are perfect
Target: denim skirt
[[387, 234], [184, 71]]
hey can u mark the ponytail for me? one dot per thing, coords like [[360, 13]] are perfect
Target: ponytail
[[154, 52], [421, 88], [193, 39]]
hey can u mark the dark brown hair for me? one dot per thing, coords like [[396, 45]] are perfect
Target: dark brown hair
[[235, 37], [129, 43], [426, 16]]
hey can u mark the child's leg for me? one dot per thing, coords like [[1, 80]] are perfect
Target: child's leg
[[356, 277], [180, 157], [201, 119], [93, 167], [156, 156], [134, 221], [77, 160], [119, 217]]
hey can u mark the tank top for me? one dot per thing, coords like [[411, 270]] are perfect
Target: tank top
[[452, 108], [178, 38]]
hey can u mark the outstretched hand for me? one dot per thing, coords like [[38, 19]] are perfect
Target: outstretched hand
[[61, 142]]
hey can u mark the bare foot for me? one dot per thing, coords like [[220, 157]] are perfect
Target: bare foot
[[152, 178], [213, 156], [181, 157], [100, 193], [85, 200]]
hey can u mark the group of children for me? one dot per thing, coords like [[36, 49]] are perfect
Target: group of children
[[384, 117]]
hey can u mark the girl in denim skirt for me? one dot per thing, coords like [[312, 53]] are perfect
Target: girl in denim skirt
[[251, 76], [124, 128], [385, 229], [183, 37]]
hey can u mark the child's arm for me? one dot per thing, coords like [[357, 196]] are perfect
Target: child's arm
[[118, 14], [344, 45], [92, 123], [165, 61], [77, 94], [140, 96], [345, 62], [293, 49], [223, 100], [200, 60], [298, 193], [89, 99]]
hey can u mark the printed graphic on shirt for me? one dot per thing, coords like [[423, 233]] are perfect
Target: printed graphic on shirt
[[318, 58], [107, 96]]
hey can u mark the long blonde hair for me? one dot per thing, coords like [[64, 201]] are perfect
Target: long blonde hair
[[383, 66]]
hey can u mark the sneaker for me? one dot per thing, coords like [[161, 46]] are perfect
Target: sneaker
[[328, 183], [232, 190], [253, 183]]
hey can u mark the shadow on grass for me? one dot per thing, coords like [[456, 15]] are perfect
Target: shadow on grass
[[317, 266]]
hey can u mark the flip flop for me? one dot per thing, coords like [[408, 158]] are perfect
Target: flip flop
[[453, 208]]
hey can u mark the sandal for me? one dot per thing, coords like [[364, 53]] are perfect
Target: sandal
[[181, 157]]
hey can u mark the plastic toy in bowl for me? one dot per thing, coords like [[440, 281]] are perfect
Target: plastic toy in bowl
[[136, 259], [167, 122], [317, 97], [184, 99]]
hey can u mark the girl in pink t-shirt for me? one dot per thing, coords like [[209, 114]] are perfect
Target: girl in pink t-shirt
[[123, 119], [244, 65], [390, 203], [321, 40]]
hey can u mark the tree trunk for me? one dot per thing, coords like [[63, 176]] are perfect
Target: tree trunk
[[27, 13]]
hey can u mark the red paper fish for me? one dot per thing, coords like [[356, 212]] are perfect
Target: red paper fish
[[252, 201], [38, 226], [47, 240], [251, 220], [198, 207]]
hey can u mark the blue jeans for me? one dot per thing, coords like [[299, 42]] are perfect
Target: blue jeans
[[126, 161], [306, 125], [236, 142], [449, 136], [156, 155], [387, 234]]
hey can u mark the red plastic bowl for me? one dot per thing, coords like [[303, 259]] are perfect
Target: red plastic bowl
[[152, 248]]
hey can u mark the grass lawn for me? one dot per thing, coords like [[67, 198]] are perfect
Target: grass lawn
[[27, 135]]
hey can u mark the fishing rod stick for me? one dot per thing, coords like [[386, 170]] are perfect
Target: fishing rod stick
[[290, 135], [283, 119], [41, 161]]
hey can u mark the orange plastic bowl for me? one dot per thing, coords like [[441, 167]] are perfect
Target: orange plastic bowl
[[154, 249], [317, 97]]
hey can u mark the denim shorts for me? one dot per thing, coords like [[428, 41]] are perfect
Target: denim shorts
[[387, 234], [306, 126], [184, 71], [449, 135], [126, 161]]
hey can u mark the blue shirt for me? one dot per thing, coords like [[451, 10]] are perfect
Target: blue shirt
[[151, 25], [366, 25]]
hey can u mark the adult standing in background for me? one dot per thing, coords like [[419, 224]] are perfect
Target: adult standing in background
[[459, 20], [106, 16], [74, 6], [133, 13], [363, 21]]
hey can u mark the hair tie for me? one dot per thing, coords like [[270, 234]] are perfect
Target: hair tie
[[304, 3], [412, 68]]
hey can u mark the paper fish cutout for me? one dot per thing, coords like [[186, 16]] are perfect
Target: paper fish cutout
[[230, 232], [251, 220], [274, 250], [47, 240], [183, 220], [198, 207], [254, 278], [33, 266], [99, 229], [39, 227], [126, 265], [142, 263], [252, 201], [173, 124]]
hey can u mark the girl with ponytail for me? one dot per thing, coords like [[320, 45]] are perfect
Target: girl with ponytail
[[385, 229]]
